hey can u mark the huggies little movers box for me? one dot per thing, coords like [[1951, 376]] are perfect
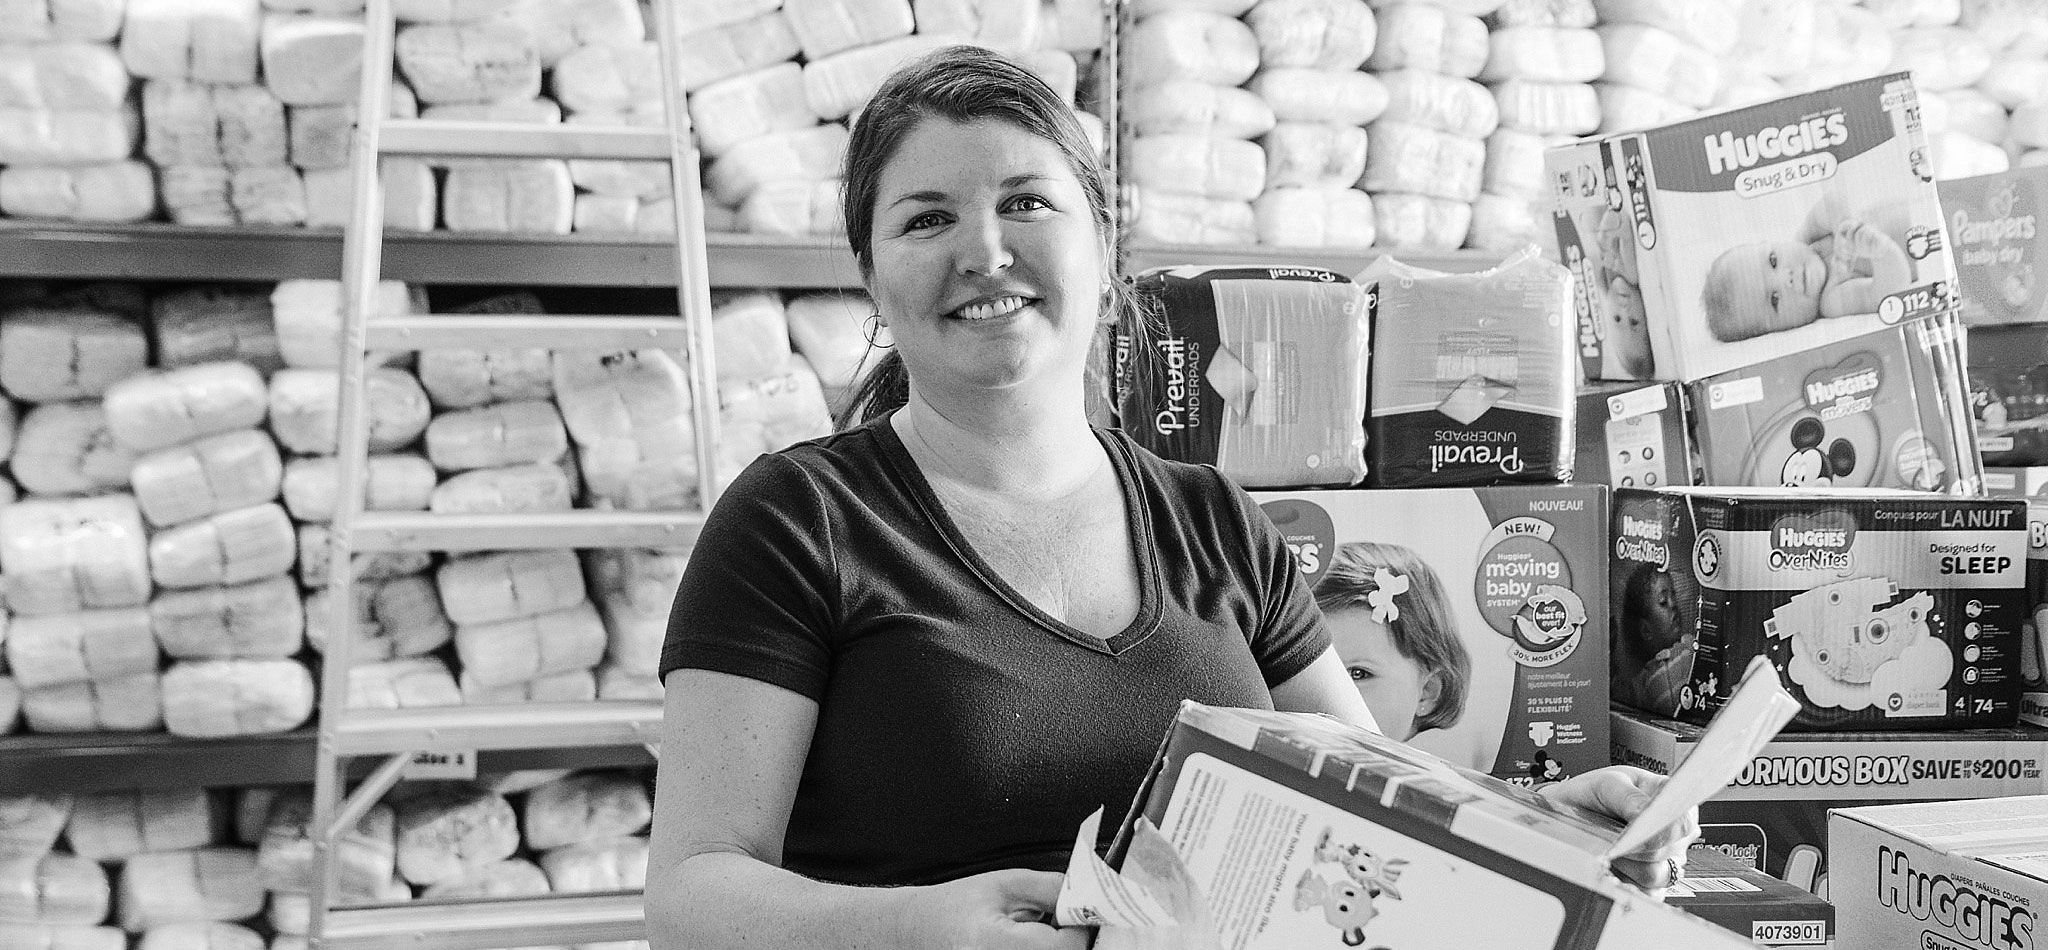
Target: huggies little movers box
[[1881, 610], [1473, 620], [1784, 226]]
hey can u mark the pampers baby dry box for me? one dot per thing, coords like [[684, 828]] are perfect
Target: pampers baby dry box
[[1259, 371], [1881, 609]]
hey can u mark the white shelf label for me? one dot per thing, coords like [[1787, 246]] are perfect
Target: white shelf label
[[441, 765]]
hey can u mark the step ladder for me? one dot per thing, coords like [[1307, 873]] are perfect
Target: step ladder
[[395, 737]]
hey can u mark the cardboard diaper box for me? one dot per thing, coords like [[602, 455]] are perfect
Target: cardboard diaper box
[[1475, 617], [2034, 629], [1884, 410], [1759, 231], [2012, 482], [1259, 371], [1301, 833], [1881, 610], [1763, 909], [1998, 232], [1941, 875], [1632, 435], [1592, 236], [2008, 391], [1774, 813]]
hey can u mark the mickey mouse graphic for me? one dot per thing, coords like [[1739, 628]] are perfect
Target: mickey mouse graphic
[[1347, 901], [1808, 465]]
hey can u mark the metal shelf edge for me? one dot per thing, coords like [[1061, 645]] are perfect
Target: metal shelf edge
[[563, 920], [419, 531], [158, 251], [561, 332], [435, 138], [485, 728]]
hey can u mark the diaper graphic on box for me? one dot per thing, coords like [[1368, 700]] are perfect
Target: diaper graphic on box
[[1874, 411], [1259, 371], [1472, 620], [1471, 381], [1879, 609], [1781, 226], [1996, 226]]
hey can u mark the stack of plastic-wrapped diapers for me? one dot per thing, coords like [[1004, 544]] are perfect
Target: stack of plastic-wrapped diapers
[[172, 450], [1421, 124], [227, 112], [219, 869]]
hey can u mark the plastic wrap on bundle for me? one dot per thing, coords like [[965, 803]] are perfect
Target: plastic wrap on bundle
[[1260, 371], [1474, 378]]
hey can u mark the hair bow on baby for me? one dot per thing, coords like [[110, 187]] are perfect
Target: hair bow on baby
[[1389, 585]]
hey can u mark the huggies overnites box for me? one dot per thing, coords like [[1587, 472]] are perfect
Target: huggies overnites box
[[1878, 411], [1303, 833], [1881, 610], [1259, 371], [1940, 875], [1781, 226], [1473, 620]]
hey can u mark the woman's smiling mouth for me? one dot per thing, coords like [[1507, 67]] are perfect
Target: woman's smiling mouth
[[992, 307]]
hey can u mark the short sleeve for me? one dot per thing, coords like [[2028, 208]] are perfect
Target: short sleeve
[[1291, 634], [759, 596]]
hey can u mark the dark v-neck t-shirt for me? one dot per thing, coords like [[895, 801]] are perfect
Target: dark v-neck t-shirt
[[960, 729]]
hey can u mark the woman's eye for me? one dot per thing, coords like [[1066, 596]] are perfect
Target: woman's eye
[[929, 219], [1028, 203], [1359, 673]]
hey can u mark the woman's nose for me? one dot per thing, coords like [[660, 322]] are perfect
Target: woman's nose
[[984, 248]]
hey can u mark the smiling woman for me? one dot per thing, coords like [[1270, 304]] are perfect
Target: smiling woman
[[915, 654]]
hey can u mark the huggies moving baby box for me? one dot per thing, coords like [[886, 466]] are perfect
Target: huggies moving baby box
[[1260, 371], [1775, 228], [1882, 610], [1472, 378], [1497, 597]]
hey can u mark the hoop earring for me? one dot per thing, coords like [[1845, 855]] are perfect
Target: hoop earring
[[872, 328]]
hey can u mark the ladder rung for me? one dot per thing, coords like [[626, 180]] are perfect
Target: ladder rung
[[496, 727], [477, 332], [449, 139], [564, 920], [421, 531]]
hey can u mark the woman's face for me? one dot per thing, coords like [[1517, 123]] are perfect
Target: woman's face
[[987, 266], [1395, 688]]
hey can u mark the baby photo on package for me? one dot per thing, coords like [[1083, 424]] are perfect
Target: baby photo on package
[[1784, 226]]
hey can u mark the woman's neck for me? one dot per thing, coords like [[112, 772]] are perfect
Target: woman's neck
[[1021, 452]]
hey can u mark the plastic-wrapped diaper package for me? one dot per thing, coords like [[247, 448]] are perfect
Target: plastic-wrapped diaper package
[[212, 698], [1190, 44], [633, 589], [71, 554], [313, 553], [499, 195], [1315, 216], [590, 806], [1321, 34], [1471, 378], [445, 831], [202, 40], [1313, 155], [1430, 37], [211, 323], [840, 84], [502, 585], [482, 61], [113, 826], [115, 192], [395, 617], [1260, 372], [1547, 108], [124, 704], [1167, 218], [505, 433], [531, 647], [56, 649], [161, 409], [93, 20], [1445, 103], [1228, 169], [630, 416], [1344, 97], [1406, 220], [65, 448], [308, 315], [62, 937], [366, 855], [397, 482], [262, 619], [1195, 107], [812, 154], [617, 864], [55, 353], [30, 824], [572, 686], [305, 403], [512, 877], [196, 935], [199, 885], [1413, 159], [226, 548], [65, 74], [733, 110], [524, 487], [54, 888], [402, 683]]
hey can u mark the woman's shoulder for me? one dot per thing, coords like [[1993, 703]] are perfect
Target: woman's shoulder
[[1191, 482], [848, 457]]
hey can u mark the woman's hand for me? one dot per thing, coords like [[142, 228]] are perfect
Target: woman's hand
[[1620, 792], [997, 910]]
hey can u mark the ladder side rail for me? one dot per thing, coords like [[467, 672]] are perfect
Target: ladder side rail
[[362, 248], [693, 270]]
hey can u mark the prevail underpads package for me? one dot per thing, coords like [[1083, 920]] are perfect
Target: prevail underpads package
[[1474, 379], [1259, 370]]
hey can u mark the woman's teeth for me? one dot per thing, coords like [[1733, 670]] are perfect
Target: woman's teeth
[[991, 308]]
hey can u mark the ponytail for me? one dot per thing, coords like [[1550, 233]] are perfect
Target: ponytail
[[882, 390]]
